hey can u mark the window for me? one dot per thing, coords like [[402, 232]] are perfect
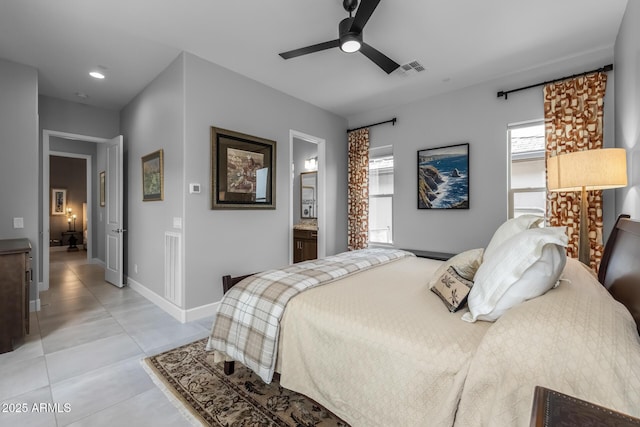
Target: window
[[380, 195], [527, 186]]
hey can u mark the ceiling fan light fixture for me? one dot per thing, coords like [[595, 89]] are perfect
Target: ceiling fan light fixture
[[350, 45], [350, 41]]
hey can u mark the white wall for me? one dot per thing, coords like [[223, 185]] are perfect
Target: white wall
[[627, 63], [477, 116], [19, 159]]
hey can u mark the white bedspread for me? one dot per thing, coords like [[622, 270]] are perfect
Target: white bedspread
[[402, 359], [575, 339], [399, 360]]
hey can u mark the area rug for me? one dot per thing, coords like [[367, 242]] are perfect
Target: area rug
[[200, 388]]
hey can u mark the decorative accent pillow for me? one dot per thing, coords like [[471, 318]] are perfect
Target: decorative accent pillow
[[524, 267], [466, 264], [452, 289], [509, 229]]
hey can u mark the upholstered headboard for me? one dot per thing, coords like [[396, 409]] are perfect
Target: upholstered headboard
[[620, 266]]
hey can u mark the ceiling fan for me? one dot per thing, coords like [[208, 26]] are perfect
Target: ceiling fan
[[350, 36]]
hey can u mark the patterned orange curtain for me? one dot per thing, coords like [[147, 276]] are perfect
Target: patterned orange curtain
[[358, 193], [573, 112]]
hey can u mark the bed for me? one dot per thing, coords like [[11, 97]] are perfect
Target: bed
[[401, 357]]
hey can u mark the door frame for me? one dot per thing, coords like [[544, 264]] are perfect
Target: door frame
[[322, 205], [44, 244]]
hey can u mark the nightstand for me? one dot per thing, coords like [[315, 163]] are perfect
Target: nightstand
[[552, 408], [440, 256]]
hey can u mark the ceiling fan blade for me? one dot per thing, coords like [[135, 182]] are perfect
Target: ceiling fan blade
[[381, 60], [310, 49], [364, 12]]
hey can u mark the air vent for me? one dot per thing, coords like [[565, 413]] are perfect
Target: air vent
[[410, 68]]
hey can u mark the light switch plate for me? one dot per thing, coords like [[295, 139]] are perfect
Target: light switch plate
[[177, 222], [18, 222], [194, 188]]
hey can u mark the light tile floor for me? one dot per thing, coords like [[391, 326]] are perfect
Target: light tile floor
[[84, 351]]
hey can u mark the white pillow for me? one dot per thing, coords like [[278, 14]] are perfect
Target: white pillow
[[465, 263], [509, 229], [524, 267]]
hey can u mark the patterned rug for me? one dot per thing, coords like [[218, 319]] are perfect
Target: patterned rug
[[189, 377]]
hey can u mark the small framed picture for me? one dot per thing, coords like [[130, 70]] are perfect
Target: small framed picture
[[58, 201], [153, 176], [102, 189]]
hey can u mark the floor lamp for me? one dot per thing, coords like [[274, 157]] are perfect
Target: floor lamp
[[584, 171]]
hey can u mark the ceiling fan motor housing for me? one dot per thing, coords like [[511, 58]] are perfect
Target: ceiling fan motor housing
[[346, 35], [350, 5]]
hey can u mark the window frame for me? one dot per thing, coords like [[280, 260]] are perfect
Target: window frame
[[521, 157], [384, 151]]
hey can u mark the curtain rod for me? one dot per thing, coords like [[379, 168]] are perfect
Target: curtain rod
[[604, 69], [392, 121]]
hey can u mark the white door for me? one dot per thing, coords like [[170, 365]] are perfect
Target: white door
[[113, 221]]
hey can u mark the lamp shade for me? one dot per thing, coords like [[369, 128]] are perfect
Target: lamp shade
[[597, 169]]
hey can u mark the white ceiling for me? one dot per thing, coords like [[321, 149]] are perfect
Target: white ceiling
[[460, 42]]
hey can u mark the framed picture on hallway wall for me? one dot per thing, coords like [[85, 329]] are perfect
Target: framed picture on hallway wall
[[443, 177], [153, 176], [102, 189], [242, 171], [58, 201]]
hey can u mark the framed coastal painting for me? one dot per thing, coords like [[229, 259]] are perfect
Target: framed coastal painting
[[243, 170], [58, 201], [153, 176], [443, 177]]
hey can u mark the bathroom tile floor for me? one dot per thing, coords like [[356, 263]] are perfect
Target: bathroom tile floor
[[83, 354]]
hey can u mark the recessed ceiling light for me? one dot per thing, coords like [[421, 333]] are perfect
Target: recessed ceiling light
[[96, 75]]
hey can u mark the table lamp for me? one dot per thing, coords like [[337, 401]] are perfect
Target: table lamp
[[583, 171]]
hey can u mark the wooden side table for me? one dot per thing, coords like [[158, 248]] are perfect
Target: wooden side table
[[552, 408], [73, 240], [15, 281]]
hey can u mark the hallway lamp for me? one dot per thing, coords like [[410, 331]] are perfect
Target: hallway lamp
[[583, 171]]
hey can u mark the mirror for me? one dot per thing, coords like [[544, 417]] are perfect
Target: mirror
[[308, 194]]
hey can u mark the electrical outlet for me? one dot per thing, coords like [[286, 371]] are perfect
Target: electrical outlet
[[18, 222], [135, 268]]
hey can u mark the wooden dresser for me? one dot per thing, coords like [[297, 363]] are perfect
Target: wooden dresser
[[15, 280], [305, 245]]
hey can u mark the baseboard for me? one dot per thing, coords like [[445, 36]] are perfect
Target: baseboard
[[202, 311], [34, 305], [176, 312], [97, 261]]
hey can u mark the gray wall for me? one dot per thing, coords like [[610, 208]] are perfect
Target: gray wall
[[235, 242], [72, 117], [19, 159], [176, 112], [154, 120], [627, 63], [477, 116]]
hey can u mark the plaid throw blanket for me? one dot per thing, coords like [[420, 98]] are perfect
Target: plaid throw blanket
[[247, 325]]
